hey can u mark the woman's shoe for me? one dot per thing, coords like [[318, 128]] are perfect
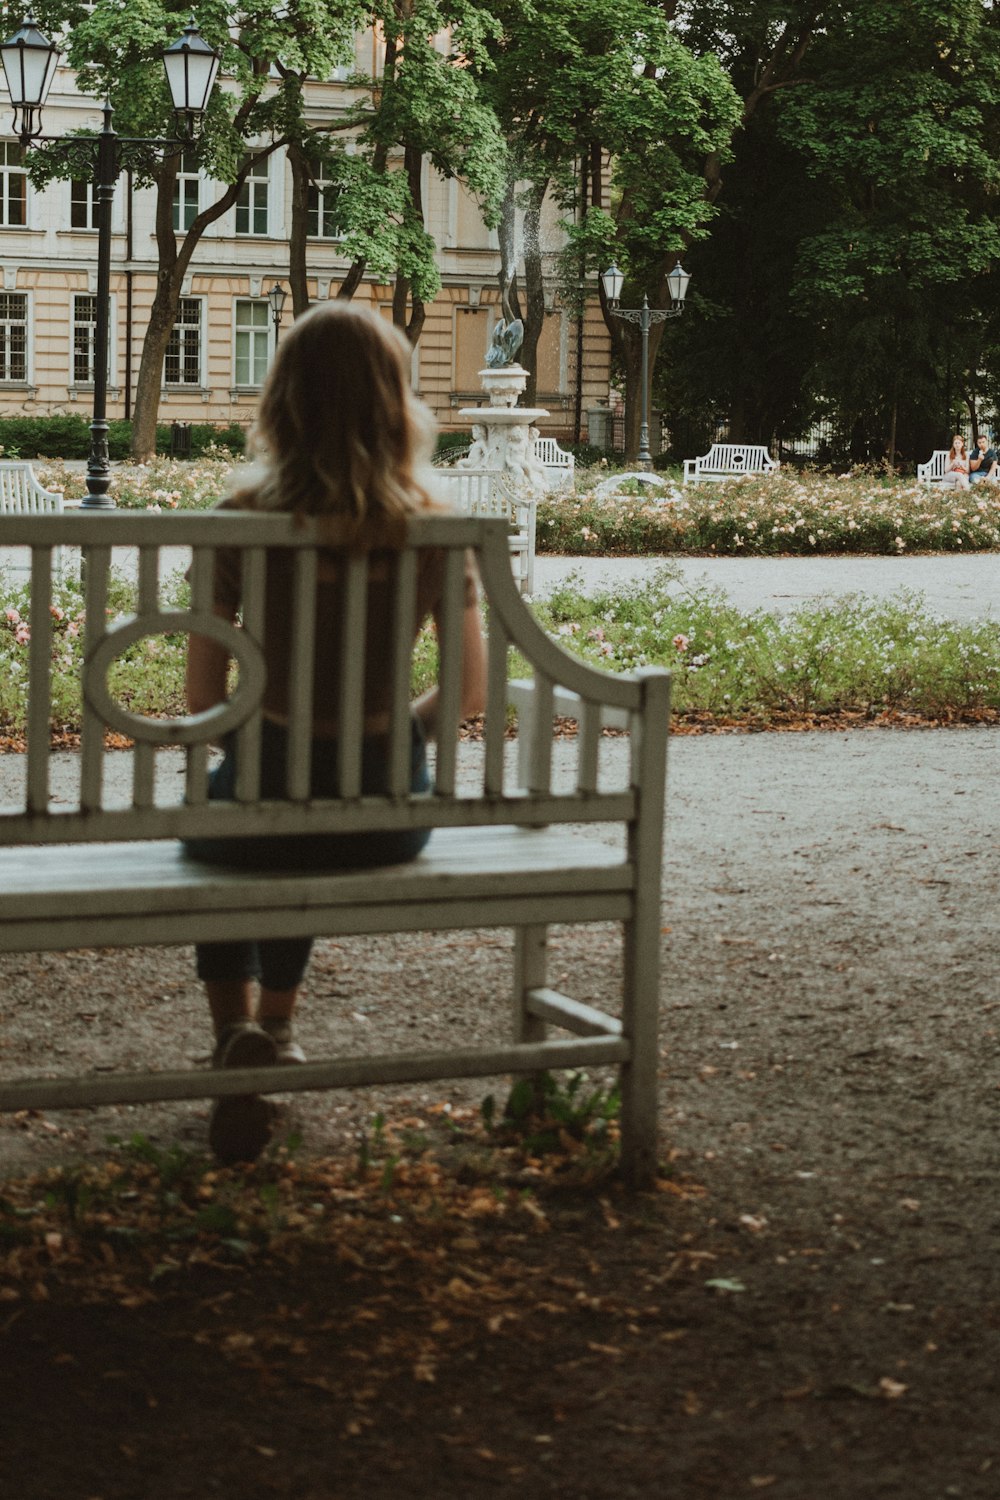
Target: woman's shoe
[[244, 1044], [288, 1050], [240, 1125]]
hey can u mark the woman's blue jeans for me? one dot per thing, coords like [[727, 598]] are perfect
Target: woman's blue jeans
[[280, 963]]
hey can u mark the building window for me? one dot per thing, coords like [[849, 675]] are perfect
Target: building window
[[186, 193], [323, 211], [14, 336], [251, 205], [253, 322], [182, 365], [82, 204], [84, 337], [13, 186]]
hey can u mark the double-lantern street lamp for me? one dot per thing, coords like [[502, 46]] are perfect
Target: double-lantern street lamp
[[645, 316], [29, 61]]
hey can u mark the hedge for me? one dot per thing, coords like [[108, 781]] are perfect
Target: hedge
[[69, 437]]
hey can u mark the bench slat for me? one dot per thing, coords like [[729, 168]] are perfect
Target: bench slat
[[300, 675], [400, 666], [497, 648], [40, 696], [450, 674], [464, 912], [38, 880], [92, 734], [254, 592]]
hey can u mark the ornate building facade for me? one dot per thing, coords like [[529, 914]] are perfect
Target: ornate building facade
[[224, 337]]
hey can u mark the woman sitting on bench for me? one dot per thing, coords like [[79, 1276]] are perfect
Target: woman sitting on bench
[[956, 465], [339, 434]]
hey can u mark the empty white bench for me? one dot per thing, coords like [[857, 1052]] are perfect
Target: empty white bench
[[22, 495], [487, 492], [729, 461], [559, 465], [510, 849], [932, 472]]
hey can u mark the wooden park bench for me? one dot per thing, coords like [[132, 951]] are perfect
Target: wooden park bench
[[98, 869], [729, 461]]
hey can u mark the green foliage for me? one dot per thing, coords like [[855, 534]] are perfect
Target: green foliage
[[544, 1113], [68, 436], [856, 657], [148, 677]]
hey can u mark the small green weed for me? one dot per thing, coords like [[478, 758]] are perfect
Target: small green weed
[[544, 1113]]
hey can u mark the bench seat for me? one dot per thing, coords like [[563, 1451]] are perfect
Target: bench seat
[[93, 895]]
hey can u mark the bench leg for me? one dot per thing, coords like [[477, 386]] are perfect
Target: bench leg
[[530, 967], [530, 970], [639, 1081]]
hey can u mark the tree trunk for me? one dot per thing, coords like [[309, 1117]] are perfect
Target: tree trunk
[[507, 235], [534, 287], [412, 323], [298, 240], [173, 262]]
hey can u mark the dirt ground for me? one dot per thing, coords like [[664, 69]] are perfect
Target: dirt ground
[[808, 1308]]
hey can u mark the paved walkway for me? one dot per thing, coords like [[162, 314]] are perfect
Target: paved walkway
[[953, 586]]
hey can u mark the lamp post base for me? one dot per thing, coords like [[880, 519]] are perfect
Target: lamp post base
[[98, 469]]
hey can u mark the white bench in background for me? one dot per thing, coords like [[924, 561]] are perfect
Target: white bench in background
[[487, 492], [22, 495], [932, 472], [729, 461], [510, 849], [559, 465]]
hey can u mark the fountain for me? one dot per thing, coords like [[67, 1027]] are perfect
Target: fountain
[[503, 433]]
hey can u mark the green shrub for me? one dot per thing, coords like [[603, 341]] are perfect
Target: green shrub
[[68, 436], [855, 656]]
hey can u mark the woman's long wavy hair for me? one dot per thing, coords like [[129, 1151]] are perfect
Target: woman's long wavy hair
[[339, 431]]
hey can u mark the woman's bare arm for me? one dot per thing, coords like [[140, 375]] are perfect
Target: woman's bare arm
[[207, 668], [473, 699]]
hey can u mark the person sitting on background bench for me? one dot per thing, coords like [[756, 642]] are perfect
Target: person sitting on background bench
[[339, 434], [983, 463], [956, 467]]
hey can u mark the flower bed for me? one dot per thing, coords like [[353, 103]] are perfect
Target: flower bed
[[789, 512]]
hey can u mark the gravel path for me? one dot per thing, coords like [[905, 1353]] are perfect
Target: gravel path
[[822, 893], [955, 587]]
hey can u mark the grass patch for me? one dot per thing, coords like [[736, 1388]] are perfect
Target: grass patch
[[854, 657]]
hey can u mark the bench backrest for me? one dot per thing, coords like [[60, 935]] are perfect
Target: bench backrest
[[21, 493], [548, 452], [736, 456], [934, 467], [499, 797]]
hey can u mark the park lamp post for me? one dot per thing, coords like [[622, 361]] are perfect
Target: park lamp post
[[29, 62], [645, 316], [276, 296]]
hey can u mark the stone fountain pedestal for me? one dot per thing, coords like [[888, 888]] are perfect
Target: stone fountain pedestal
[[503, 433]]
